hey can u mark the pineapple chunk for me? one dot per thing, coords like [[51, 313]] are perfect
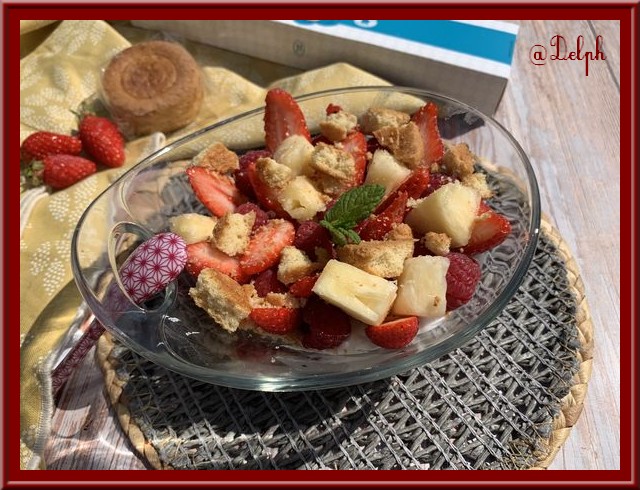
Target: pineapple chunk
[[301, 199], [451, 209], [361, 295], [294, 152], [385, 170], [422, 287], [193, 227]]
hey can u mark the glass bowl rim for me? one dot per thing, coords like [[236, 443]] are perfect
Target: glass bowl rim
[[364, 375]]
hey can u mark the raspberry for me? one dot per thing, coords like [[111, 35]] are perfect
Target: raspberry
[[463, 277]]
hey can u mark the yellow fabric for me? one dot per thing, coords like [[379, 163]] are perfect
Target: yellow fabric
[[55, 77]]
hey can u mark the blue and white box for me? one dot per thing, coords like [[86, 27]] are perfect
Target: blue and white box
[[469, 60]]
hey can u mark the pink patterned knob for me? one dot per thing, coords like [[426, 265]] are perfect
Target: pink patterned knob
[[153, 265]]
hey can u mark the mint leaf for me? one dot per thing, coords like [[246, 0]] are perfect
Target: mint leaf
[[337, 234], [352, 236], [355, 205]]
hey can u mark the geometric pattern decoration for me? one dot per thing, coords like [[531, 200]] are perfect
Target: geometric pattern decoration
[[153, 265]]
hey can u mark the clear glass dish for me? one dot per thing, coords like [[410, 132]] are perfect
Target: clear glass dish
[[171, 331]]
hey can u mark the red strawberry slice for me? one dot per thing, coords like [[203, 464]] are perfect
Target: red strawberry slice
[[215, 191], [489, 230], [333, 109], [267, 282], [394, 334], [282, 118], [436, 181], [265, 195], [261, 215], [202, 255], [328, 325], [311, 235], [302, 288], [242, 174], [266, 246], [276, 320], [427, 121], [356, 144], [462, 277], [414, 185], [377, 226], [43, 143]]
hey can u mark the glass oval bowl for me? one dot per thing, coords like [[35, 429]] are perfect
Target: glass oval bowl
[[171, 331]]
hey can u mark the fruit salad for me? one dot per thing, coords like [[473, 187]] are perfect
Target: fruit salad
[[371, 224]]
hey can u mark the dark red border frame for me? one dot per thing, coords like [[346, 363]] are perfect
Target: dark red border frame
[[626, 12]]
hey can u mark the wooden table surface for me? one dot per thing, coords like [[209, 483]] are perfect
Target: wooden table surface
[[569, 124]]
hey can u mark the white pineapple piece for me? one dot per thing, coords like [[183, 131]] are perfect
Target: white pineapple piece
[[301, 199], [193, 227], [451, 209], [361, 295], [422, 287], [294, 152], [385, 170]]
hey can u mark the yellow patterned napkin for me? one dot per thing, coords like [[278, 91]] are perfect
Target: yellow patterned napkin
[[55, 77]]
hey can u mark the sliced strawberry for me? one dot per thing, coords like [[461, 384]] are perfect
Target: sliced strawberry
[[375, 227], [427, 120], [267, 282], [436, 181], [282, 118], [489, 230], [311, 235], [328, 325], [333, 109], [215, 191], [356, 144], [266, 246], [261, 216], [302, 288], [202, 255], [394, 334], [242, 175], [276, 320], [414, 185], [265, 195], [463, 277]]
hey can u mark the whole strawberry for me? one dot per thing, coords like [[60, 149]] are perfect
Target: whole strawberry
[[61, 171], [102, 140], [43, 143]]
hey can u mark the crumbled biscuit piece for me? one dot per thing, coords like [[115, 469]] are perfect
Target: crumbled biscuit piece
[[222, 298], [337, 125], [400, 231], [458, 160], [334, 169], [438, 243], [380, 258], [232, 231], [478, 181], [217, 157], [282, 300], [294, 265], [272, 173], [405, 142], [333, 161], [412, 203], [379, 117]]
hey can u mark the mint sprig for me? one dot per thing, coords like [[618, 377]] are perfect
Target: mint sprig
[[351, 207]]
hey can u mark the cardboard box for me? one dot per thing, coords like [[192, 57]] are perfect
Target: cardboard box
[[466, 60]]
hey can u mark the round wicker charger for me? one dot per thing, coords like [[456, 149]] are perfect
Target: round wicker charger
[[506, 400]]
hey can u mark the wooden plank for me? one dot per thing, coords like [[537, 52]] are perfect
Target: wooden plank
[[569, 125], [85, 431]]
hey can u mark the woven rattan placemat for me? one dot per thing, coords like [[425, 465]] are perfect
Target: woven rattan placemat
[[505, 400]]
